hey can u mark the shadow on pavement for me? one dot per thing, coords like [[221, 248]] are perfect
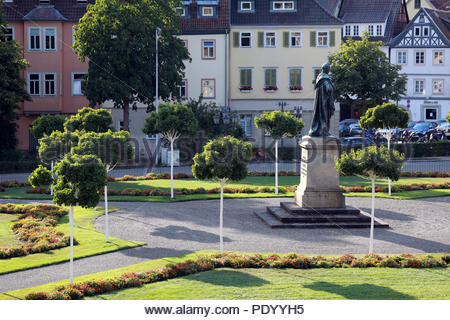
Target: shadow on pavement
[[183, 233]]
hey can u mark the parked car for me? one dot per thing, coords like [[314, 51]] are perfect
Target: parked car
[[344, 126], [441, 121], [355, 142], [421, 131], [444, 129], [355, 130]]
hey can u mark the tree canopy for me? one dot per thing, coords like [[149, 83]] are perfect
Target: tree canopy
[[223, 158], [12, 87], [448, 117], [363, 76], [118, 38], [57, 145], [91, 120], [46, 124], [41, 176], [385, 116], [279, 124]]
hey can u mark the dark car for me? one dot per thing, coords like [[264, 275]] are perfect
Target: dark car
[[423, 127], [355, 142], [444, 129], [344, 126]]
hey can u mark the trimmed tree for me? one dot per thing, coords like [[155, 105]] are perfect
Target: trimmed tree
[[119, 39], [223, 159], [90, 120], [111, 148], [41, 176], [386, 116], [46, 124], [279, 124], [448, 117], [172, 121], [371, 163]]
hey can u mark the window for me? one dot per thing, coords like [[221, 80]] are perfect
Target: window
[[283, 5], [425, 31], [420, 57], [245, 40], [371, 30], [77, 83], [316, 72], [348, 30], [34, 84], [209, 88], [50, 39], [438, 57], [35, 39], [438, 86], [401, 57], [208, 49], [182, 89], [295, 79], [296, 40], [181, 11], [379, 30], [246, 6], [270, 40], [8, 34], [356, 30], [246, 123], [270, 79], [431, 114], [49, 84], [417, 31], [207, 11], [322, 39], [419, 86], [245, 79], [417, 4]]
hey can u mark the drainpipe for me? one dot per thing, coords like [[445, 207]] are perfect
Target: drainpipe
[[226, 69]]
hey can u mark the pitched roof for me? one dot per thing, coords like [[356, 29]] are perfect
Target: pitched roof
[[308, 12], [441, 4], [441, 19], [193, 24], [58, 10]]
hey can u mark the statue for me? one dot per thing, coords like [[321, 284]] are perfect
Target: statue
[[323, 105]]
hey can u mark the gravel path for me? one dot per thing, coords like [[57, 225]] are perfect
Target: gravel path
[[416, 226]]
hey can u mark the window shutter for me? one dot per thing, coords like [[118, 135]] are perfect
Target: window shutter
[[260, 39], [236, 39], [286, 39], [312, 39], [242, 77], [332, 38]]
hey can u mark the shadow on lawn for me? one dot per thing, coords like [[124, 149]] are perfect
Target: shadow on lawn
[[229, 278], [359, 291]]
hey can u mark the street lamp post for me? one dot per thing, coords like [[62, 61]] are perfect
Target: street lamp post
[[282, 104], [157, 35], [298, 113]]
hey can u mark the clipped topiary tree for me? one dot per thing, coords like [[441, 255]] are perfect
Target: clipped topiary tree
[[279, 124], [172, 121], [223, 159], [111, 148], [386, 116], [448, 117], [371, 163], [46, 124], [41, 176], [91, 120]]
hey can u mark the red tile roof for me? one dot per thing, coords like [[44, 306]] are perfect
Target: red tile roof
[[198, 25]]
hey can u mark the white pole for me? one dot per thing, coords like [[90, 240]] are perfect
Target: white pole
[[222, 183], [389, 148], [51, 187], [171, 168], [106, 214], [276, 166], [157, 31], [372, 219], [71, 243]]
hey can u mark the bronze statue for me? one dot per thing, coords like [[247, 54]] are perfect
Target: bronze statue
[[323, 105]]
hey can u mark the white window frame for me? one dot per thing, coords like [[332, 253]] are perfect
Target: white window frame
[[348, 31], [434, 57], [289, 75], [415, 57], [13, 32], [184, 83], [275, 38], [246, 2], [44, 40], [441, 88], [29, 84], [182, 13], [204, 57], [44, 93], [379, 30], [356, 30], [328, 39], [290, 39], [276, 75], [405, 53], [251, 39], [213, 88], [427, 28], [371, 30], [247, 121], [73, 84], [415, 81], [283, 3], [207, 15], [29, 39], [419, 33]]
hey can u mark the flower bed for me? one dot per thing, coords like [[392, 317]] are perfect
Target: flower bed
[[36, 227], [12, 184], [398, 188], [235, 261]]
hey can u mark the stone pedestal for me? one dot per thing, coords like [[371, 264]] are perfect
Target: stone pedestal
[[319, 180]]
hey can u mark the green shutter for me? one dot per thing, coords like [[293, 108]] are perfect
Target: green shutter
[[261, 39], [295, 77], [312, 39], [242, 77], [236, 39], [286, 39], [332, 38]]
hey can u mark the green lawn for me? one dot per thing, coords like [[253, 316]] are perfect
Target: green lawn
[[339, 283], [7, 238], [164, 184], [91, 242]]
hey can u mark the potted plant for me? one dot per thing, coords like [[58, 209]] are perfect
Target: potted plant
[[245, 88], [270, 88], [295, 88]]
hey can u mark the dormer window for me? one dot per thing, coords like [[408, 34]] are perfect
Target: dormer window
[[283, 5], [207, 11], [246, 6]]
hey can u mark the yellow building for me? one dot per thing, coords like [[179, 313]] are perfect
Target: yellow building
[[413, 6]]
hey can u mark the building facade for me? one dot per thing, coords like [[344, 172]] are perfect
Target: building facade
[[423, 51], [44, 29]]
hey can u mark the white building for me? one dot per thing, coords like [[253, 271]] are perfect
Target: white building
[[423, 51]]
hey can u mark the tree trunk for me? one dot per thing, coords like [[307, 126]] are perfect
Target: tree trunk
[[106, 214], [372, 218], [126, 116], [389, 136], [276, 166], [222, 185], [171, 168], [71, 222]]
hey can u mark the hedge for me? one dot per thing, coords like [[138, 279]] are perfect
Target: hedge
[[235, 261]]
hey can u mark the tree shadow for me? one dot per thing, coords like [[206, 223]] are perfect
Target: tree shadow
[[359, 291], [183, 233], [412, 242], [229, 278], [388, 214], [153, 253]]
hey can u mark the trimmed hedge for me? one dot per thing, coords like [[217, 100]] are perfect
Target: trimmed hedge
[[235, 261], [427, 149]]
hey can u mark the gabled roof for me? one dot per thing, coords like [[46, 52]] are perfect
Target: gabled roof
[[193, 24], [308, 12], [438, 4], [45, 13], [442, 21]]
